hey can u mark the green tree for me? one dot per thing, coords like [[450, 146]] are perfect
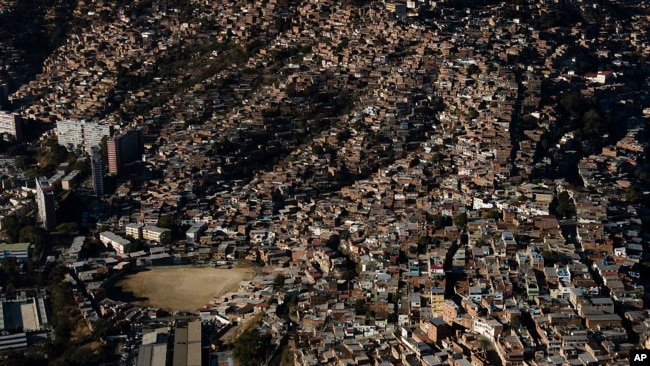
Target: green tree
[[11, 228], [343, 175], [576, 105], [32, 234], [24, 162], [287, 357], [9, 265], [423, 243], [360, 307], [412, 250], [549, 258], [11, 358], [563, 205], [100, 329], [440, 221], [136, 245], [83, 166], [632, 194], [343, 136], [222, 147], [166, 221], [472, 69], [166, 238], [252, 347], [472, 113], [67, 228], [437, 157], [593, 124], [493, 214], [57, 155], [348, 275], [85, 354], [318, 149], [515, 322], [484, 342], [279, 280], [92, 248], [460, 220]]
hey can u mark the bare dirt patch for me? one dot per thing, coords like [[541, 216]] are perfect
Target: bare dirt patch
[[181, 288], [246, 324]]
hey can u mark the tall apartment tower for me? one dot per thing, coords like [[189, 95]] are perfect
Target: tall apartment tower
[[12, 124], [74, 134], [124, 148], [46, 204], [98, 171]]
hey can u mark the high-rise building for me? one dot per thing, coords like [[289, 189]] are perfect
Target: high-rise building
[[70, 134], [46, 204], [75, 134], [98, 171], [124, 148], [94, 133], [12, 124], [113, 151]]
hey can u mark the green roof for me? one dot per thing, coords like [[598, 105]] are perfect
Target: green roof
[[15, 246]]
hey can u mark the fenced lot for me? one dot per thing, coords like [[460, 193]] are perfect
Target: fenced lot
[[180, 288]]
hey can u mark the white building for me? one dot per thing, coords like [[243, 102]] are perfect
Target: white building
[[153, 233], [134, 230], [118, 243], [83, 134], [194, 232], [46, 203], [11, 123]]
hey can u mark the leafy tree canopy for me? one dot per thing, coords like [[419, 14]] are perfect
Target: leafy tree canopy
[[67, 228], [251, 347], [279, 280], [563, 206], [460, 220], [494, 214]]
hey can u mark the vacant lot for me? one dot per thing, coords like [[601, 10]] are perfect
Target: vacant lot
[[179, 288]]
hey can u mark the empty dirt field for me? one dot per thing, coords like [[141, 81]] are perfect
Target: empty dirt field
[[179, 288]]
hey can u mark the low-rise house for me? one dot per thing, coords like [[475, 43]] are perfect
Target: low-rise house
[[114, 241]]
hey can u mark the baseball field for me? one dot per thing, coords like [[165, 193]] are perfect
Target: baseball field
[[179, 288]]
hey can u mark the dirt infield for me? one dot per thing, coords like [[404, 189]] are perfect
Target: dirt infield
[[180, 288]]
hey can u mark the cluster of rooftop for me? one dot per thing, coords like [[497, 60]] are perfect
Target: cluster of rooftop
[[428, 219]]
